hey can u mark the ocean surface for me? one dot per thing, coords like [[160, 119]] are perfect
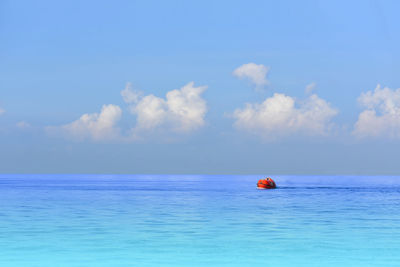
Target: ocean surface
[[167, 220]]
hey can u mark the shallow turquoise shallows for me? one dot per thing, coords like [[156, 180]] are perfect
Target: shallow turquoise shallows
[[159, 220]]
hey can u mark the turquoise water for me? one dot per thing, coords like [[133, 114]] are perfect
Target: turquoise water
[[95, 220]]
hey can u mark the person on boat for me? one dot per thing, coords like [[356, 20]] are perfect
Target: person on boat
[[266, 183]]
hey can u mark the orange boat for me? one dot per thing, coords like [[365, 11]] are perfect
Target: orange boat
[[266, 183]]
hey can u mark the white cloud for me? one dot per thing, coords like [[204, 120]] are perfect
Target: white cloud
[[2, 111], [257, 74], [310, 87], [281, 115], [382, 114], [183, 110], [129, 95], [95, 126]]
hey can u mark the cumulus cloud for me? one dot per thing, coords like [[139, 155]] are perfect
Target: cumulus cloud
[[257, 74], [382, 114], [281, 115], [183, 110], [95, 126]]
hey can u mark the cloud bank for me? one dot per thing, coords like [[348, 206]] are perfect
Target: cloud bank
[[281, 115], [381, 118], [183, 111], [256, 74]]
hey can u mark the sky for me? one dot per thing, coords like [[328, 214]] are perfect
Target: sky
[[200, 87]]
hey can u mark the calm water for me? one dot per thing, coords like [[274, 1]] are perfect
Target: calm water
[[87, 220]]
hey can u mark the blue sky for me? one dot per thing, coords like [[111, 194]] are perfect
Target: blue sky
[[61, 60]]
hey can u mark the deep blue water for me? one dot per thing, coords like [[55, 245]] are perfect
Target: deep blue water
[[121, 220]]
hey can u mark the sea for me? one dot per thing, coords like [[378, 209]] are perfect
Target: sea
[[198, 220]]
